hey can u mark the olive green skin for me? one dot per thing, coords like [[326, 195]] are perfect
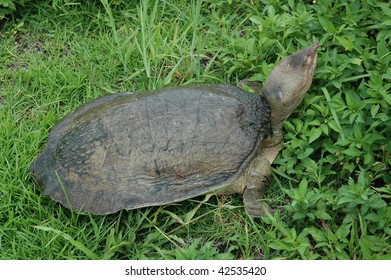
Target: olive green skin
[[132, 150]]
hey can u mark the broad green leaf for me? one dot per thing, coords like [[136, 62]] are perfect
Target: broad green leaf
[[326, 24], [368, 158], [335, 126], [376, 202], [256, 19], [347, 43], [305, 154], [352, 151], [343, 231], [315, 134], [374, 110], [323, 215], [303, 187], [343, 200], [317, 234], [385, 7]]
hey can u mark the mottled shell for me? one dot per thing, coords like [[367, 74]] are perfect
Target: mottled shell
[[132, 150]]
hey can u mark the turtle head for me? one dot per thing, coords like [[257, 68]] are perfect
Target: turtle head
[[288, 82]]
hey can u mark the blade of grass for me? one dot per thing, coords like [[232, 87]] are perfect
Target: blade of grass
[[68, 238], [109, 13], [168, 78], [65, 193], [142, 14]]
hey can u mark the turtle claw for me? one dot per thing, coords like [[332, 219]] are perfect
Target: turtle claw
[[262, 210], [254, 203]]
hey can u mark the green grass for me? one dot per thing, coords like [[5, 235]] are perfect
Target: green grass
[[331, 182]]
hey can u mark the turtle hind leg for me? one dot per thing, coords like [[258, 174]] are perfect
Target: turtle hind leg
[[257, 181]]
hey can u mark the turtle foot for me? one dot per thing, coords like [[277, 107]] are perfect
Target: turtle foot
[[260, 210]]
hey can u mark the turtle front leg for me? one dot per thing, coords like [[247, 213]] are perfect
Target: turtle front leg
[[256, 182]]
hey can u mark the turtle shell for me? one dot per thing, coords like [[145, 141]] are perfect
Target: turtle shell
[[132, 150]]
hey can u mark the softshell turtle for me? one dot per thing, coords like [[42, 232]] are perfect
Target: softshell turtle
[[132, 150]]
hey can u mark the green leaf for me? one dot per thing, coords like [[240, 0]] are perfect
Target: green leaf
[[343, 231], [382, 257], [256, 19], [376, 202], [8, 4], [317, 234], [382, 49], [385, 7], [374, 110], [371, 137], [302, 190], [326, 24], [335, 125], [298, 216], [352, 151], [347, 43], [366, 253], [368, 158], [306, 153], [271, 11], [343, 200], [372, 217], [325, 129], [323, 215], [315, 134]]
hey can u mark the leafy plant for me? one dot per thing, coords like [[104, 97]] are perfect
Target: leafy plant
[[8, 7]]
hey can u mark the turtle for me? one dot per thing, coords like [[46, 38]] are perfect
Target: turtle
[[139, 149]]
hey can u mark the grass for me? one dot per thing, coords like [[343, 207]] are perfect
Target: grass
[[331, 181]]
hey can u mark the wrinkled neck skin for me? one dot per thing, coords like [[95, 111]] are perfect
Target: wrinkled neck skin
[[287, 84]]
